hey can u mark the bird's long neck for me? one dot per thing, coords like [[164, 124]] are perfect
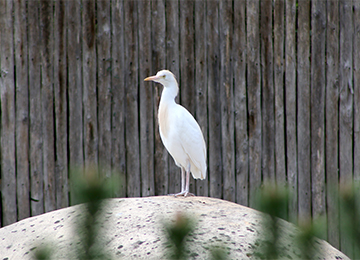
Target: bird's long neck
[[167, 102], [169, 92]]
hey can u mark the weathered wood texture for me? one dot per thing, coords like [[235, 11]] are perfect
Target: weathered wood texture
[[290, 108], [226, 100], [332, 121], [317, 106], [356, 75], [47, 105], [279, 72], [132, 141], [240, 105], [356, 57], [254, 98], [267, 95], [274, 86], [303, 111], [202, 187], [118, 164], [7, 88], [35, 134], [22, 110], [60, 106], [89, 65], [346, 111], [75, 89], [146, 101], [104, 89], [214, 141]]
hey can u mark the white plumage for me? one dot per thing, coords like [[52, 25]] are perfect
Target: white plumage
[[179, 132]]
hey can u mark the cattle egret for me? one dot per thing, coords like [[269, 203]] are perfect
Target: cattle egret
[[179, 132]]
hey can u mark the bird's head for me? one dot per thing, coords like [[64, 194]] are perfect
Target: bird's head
[[164, 77]]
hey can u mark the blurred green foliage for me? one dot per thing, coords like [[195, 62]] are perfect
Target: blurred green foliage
[[273, 201], [350, 216], [91, 188], [218, 253], [42, 253], [176, 234]]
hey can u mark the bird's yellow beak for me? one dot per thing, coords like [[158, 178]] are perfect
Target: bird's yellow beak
[[152, 78]]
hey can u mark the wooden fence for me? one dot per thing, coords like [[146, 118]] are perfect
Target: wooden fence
[[274, 86]]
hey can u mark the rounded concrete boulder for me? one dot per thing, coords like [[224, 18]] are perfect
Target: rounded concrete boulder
[[133, 228]]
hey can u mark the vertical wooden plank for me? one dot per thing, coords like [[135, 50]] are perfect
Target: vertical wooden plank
[[104, 85], [356, 40], [187, 61], [131, 89], [60, 103], [47, 104], [227, 99], [332, 122], [213, 63], [146, 101], [174, 33], [158, 28], [254, 98], [356, 55], [202, 186], [75, 97], [279, 86], [22, 110], [290, 107], [36, 138], [118, 91], [268, 118], [346, 111], [88, 45], [303, 112], [186, 56], [356, 80], [7, 88], [240, 105], [318, 190]]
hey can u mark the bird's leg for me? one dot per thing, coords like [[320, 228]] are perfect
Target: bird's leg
[[187, 185], [182, 179], [185, 190], [182, 182]]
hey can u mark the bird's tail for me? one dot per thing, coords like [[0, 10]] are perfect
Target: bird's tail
[[198, 173]]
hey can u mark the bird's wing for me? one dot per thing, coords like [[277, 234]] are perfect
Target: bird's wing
[[192, 141]]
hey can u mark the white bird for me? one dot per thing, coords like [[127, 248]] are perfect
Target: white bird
[[179, 132]]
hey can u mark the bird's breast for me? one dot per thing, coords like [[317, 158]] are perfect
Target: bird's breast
[[163, 117]]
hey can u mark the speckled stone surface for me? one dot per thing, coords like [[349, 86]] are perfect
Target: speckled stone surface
[[133, 229]]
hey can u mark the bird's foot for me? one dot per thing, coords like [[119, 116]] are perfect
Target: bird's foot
[[184, 193]]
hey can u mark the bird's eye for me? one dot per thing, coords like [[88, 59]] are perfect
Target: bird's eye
[[164, 76]]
